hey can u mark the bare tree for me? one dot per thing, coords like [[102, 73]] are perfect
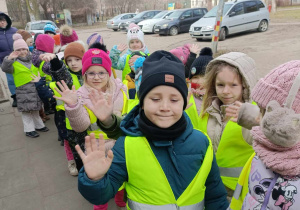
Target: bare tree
[[33, 9]]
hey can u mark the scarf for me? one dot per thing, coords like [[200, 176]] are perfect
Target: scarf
[[282, 160], [155, 133]]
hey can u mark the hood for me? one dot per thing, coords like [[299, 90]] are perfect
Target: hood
[[129, 125], [8, 20], [161, 22], [246, 67], [210, 21]]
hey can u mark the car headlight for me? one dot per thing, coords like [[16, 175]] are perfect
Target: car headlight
[[207, 28], [164, 25]]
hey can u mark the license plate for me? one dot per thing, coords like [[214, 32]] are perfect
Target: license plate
[[156, 30], [197, 33]]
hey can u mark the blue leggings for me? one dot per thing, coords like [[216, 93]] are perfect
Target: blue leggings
[[11, 83]]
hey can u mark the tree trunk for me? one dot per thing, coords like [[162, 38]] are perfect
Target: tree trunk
[[33, 9], [274, 6]]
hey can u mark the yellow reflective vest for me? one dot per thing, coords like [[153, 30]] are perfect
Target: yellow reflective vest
[[42, 74], [126, 69], [241, 189], [131, 103], [233, 152], [22, 75], [148, 187], [193, 113]]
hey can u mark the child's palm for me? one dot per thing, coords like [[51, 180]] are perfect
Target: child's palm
[[68, 96], [96, 164], [122, 47], [101, 107]]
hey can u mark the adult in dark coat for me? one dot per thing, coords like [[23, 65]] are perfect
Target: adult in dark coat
[[6, 47]]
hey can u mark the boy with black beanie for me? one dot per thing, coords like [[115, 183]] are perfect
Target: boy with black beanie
[[165, 163]]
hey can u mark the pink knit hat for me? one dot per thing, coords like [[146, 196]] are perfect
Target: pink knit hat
[[45, 43], [67, 35], [19, 42], [96, 57], [182, 53], [276, 86]]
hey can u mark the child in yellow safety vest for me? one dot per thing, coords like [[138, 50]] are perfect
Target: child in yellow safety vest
[[271, 178], [19, 64], [164, 162], [96, 72], [196, 84], [135, 39], [69, 72], [229, 80]]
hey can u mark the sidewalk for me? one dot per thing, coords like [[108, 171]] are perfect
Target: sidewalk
[[33, 172]]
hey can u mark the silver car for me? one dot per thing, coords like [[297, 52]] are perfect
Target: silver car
[[115, 22], [38, 26], [238, 16]]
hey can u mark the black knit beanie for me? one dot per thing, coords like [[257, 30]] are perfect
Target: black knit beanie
[[199, 65], [163, 68]]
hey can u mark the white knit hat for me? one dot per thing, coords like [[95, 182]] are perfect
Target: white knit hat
[[134, 32]]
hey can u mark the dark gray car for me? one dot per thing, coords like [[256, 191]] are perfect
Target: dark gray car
[[115, 22]]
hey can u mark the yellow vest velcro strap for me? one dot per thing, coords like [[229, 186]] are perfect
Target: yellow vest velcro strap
[[237, 191], [231, 172], [141, 206]]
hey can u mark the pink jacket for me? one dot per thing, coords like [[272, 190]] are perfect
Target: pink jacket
[[78, 115]]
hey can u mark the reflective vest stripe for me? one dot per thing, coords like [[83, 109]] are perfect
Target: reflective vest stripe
[[241, 189], [231, 172], [141, 206]]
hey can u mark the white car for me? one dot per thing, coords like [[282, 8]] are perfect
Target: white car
[[238, 16], [147, 26], [38, 26]]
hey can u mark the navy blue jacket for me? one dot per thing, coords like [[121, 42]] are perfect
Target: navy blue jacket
[[6, 40], [180, 159]]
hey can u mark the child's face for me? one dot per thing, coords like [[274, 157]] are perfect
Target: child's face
[[228, 86], [199, 80], [163, 106], [135, 44], [50, 34], [23, 52], [29, 42], [97, 77], [74, 63]]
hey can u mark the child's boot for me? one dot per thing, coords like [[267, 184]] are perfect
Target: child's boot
[[72, 168]]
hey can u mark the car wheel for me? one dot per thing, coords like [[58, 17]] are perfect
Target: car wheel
[[115, 29], [199, 39], [263, 26], [173, 31], [222, 35]]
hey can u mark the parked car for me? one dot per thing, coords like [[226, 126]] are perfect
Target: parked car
[[147, 26], [38, 26], [115, 22], [148, 14], [179, 21], [238, 16]]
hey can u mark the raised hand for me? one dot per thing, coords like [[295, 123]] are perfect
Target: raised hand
[[36, 78], [68, 96], [122, 47], [96, 164], [194, 48], [233, 110], [13, 55], [47, 57], [101, 106]]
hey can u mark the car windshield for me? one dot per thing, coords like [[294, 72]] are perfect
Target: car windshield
[[175, 15], [160, 15], [38, 26], [140, 15], [118, 16], [213, 11]]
